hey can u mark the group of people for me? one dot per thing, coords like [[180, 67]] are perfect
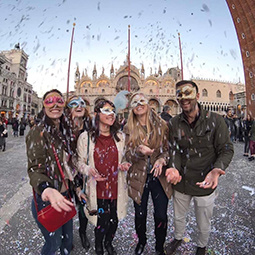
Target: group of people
[[242, 130], [103, 166]]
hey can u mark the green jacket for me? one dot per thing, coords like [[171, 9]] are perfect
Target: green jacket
[[42, 166], [195, 152]]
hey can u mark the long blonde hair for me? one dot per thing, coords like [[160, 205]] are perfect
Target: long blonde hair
[[152, 135]]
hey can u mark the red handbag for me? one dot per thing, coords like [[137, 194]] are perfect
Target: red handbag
[[50, 218]]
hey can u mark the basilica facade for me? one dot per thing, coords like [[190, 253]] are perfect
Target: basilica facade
[[159, 87]]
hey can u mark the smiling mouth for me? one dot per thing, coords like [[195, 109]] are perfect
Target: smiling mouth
[[55, 110]]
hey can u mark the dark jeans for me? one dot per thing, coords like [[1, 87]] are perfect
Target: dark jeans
[[160, 203], [246, 144], [61, 239], [107, 222]]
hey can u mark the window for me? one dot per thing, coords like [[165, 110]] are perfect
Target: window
[[204, 93], [218, 93]]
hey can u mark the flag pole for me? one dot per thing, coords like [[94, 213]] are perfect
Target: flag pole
[[69, 63], [180, 46], [129, 58]]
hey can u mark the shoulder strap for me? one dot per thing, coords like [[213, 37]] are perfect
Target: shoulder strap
[[86, 177], [36, 206]]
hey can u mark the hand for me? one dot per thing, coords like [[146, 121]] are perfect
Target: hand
[[124, 166], [94, 173], [211, 179], [80, 194], [57, 200], [157, 167], [173, 176], [145, 150]]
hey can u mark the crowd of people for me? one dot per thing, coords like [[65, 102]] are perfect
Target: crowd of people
[[242, 130], [105, 162]]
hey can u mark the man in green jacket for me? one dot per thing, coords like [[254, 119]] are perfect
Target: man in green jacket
[[200, 151]]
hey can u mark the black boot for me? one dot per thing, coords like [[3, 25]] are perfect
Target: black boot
[[140, 227], [83, 227], [160, 233], [201, 251], [84, 240], [109, 248], [99, 241], [110, 235], [171, 247]]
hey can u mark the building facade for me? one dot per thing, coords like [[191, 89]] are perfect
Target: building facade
[[243, 14], [15, 92], [159, 87]]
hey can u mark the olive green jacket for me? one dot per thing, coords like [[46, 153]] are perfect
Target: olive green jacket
[[195, 152], [42, 166]]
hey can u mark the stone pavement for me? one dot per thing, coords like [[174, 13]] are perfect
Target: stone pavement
[[233, 223]]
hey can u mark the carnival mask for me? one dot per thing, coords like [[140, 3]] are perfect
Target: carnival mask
[[138, 100], [76, 102], [53, 99], [186, 92], [108, 110]]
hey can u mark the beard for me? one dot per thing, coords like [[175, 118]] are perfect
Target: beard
[[192, 106]]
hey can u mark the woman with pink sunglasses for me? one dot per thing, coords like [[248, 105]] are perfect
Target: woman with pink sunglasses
[[51, 134]]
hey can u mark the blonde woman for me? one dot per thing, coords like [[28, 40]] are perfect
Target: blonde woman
[[147, 151]]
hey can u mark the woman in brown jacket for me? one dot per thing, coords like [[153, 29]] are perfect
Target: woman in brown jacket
[[147, 151]]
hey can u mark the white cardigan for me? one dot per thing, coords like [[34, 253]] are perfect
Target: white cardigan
[[91, 190]]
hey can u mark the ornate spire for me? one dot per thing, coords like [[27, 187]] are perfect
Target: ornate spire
[[142, 69], [159, 70], [94, 73], [112, 71], [77, 74]]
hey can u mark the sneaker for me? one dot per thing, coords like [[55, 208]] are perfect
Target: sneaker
[[201, 251], [171, 247], [246, 155]]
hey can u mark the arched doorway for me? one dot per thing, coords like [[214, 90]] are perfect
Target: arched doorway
[[173, 105], [155, 105]]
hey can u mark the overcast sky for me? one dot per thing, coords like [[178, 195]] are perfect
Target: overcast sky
[[43, 29]]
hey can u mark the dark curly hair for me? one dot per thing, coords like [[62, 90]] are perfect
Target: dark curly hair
[[95, 125]]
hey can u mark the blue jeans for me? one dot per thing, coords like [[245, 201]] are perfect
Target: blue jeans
[[61, 239]]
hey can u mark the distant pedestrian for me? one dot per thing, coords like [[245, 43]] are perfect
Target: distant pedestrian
[[165, 115], [22, 127], [247, 123], [252, 142], [200, 151], [3, 134], [15, 127], [231, 125]]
